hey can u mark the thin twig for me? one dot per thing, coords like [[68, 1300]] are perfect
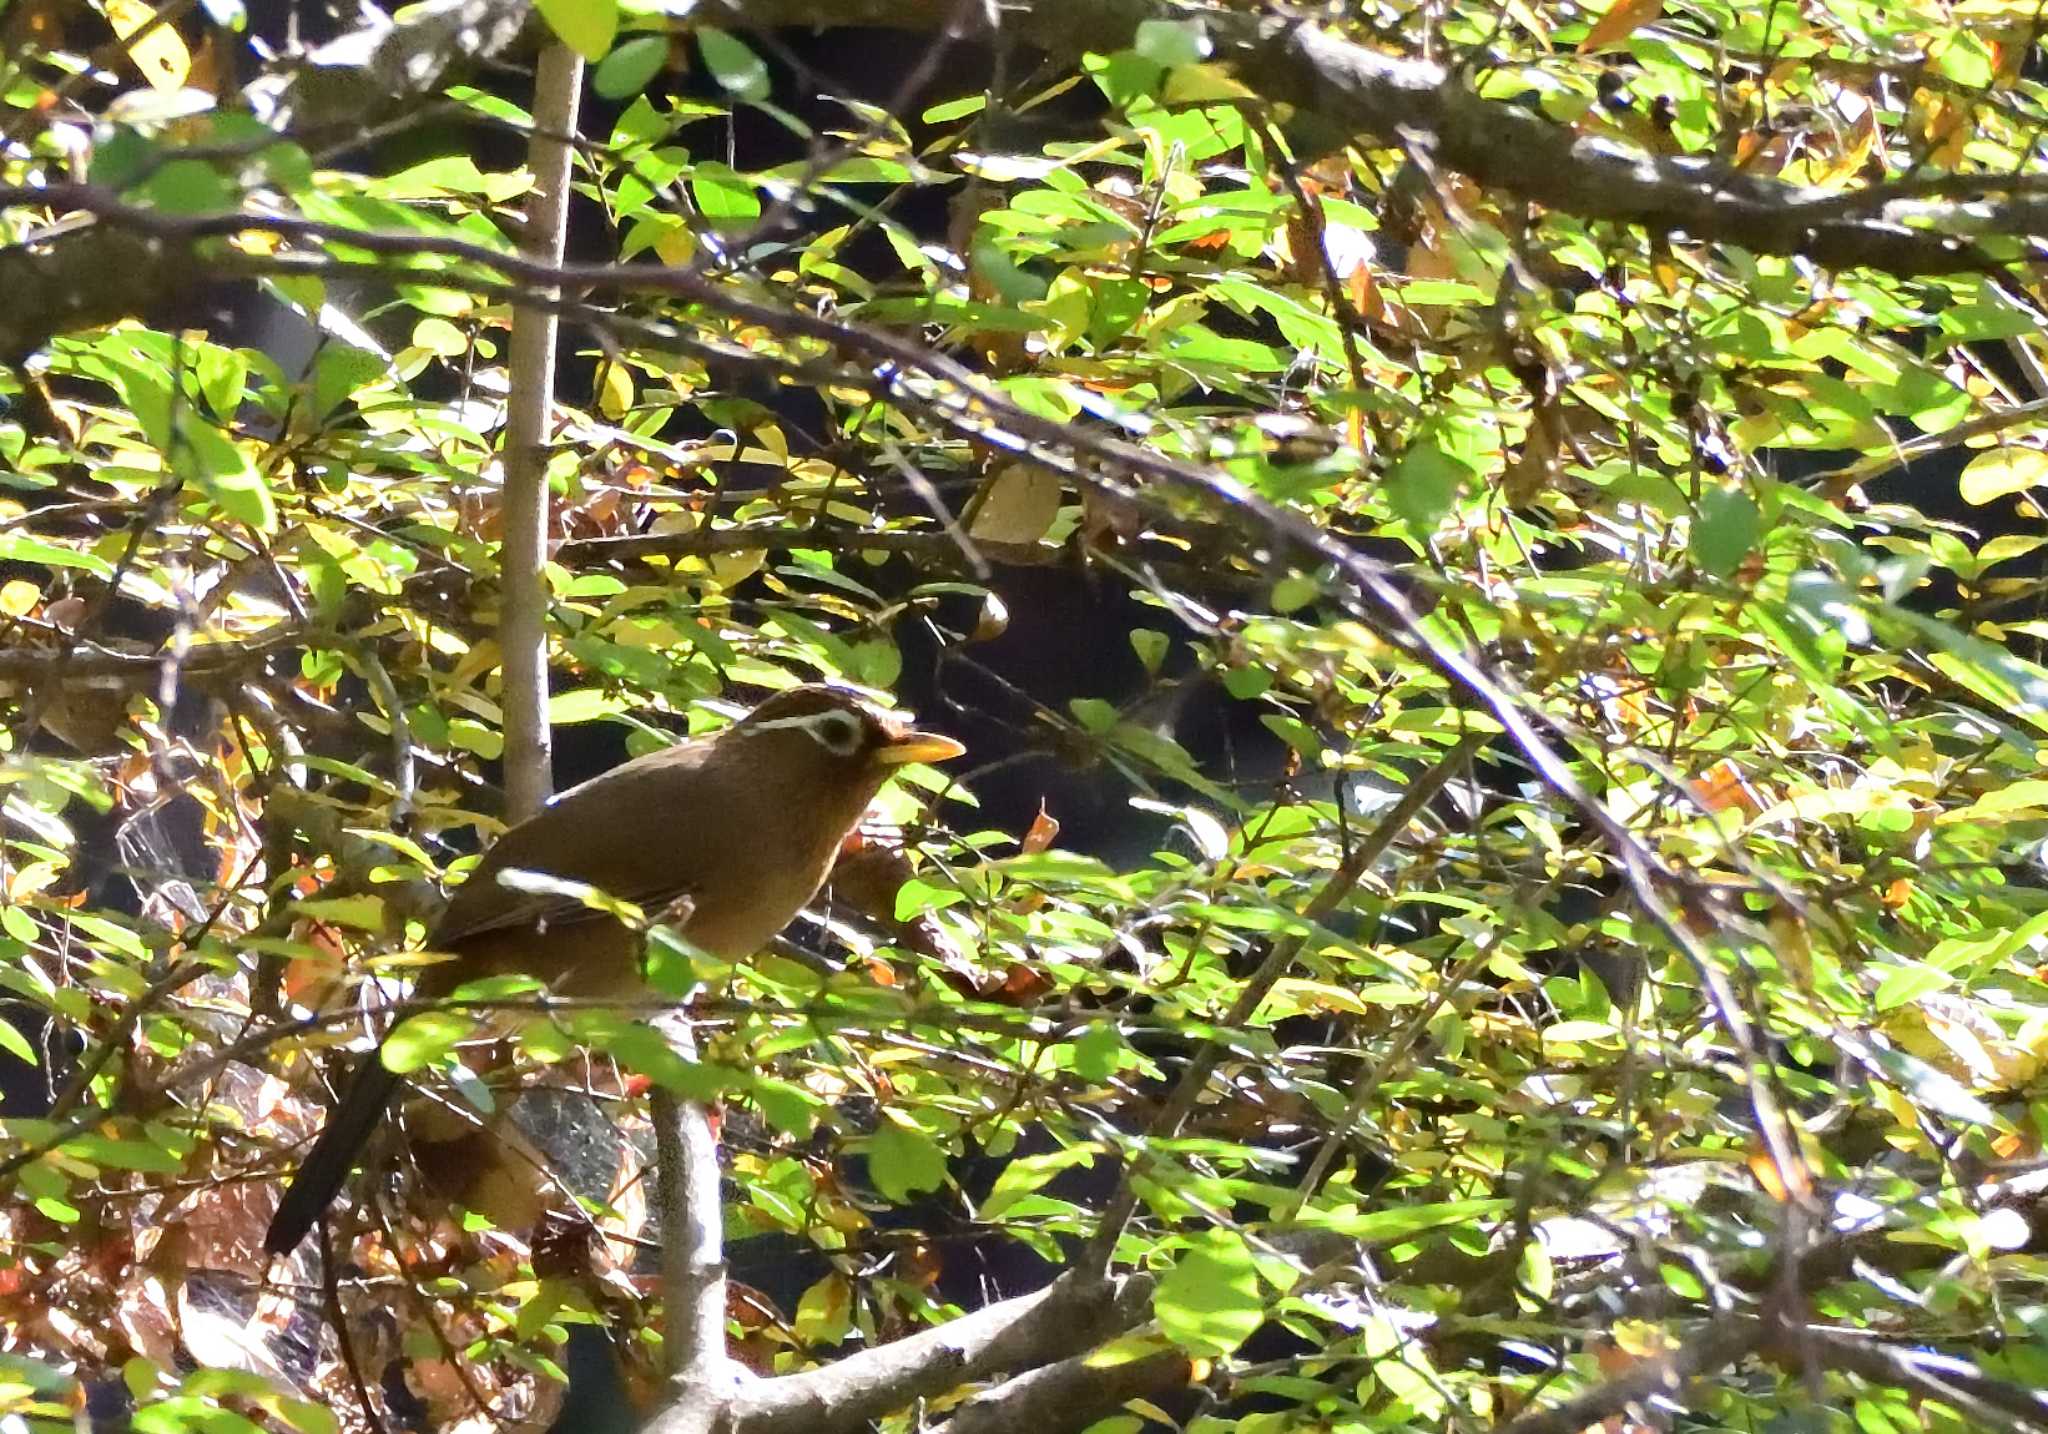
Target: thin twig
[[1982, 426], [1333, 893], [1722, 1343], [330, 1297]]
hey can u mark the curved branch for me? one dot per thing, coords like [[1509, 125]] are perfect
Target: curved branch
[[1071, 1394], [1724, 1342], [1029, 1332], [1400, 102]]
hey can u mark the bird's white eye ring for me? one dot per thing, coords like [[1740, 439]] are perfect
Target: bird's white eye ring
[[837, 732]]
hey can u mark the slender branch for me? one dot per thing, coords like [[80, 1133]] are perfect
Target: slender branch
[[1998, 420], [1367, 93], [692, 1261], [1070, 1395], [1069, 1316], [91, 660], [1986, 1402], [117, 1038], [1332, 894], [936, 387], [1359, 92], [523, 620], [36, 1150], [1724, 1342], [1354, 91], [928, 548], [957, 399], [337, 1317]]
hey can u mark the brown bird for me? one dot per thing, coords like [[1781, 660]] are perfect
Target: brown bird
[[731, 834]]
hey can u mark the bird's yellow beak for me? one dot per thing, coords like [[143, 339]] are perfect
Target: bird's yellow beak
[[918, 747]]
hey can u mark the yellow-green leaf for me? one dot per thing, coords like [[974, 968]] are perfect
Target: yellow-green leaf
[[585, 26], [2001, 471]]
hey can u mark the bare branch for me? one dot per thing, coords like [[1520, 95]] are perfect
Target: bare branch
[[523, 621], [1065, 1318], [1984, 1401], [343, 82], [1070, 1395], [1722, 1343], [927, 548], [692, 1262], [1360, 93]]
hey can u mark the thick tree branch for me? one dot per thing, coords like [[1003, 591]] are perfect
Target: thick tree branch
[[1070, 1395], [1361, 93], [344, 82], [1065, 1318], [692, 1262], [1358, 92], [1986, 1402]]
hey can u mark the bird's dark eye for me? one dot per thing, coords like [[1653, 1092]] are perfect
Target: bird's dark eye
[[839, 733]]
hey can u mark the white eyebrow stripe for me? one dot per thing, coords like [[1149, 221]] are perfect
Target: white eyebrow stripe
[[806, 722]]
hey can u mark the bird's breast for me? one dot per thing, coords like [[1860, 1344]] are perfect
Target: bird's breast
[[745, 915]]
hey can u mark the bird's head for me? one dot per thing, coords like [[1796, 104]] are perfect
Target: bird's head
[[826, 737]]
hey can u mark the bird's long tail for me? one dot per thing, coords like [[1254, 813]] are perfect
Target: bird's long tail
[[326, 1166]]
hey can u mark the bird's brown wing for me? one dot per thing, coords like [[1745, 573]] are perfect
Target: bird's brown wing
[[598, 834], [523, 909]]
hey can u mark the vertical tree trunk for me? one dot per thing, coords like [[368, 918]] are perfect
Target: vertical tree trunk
[[522, 623]]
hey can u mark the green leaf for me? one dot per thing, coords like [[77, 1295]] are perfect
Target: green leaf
[[188, 186], [642, 1047], [902, 1161], [738, 70], [727, 198], [364, 912], [224, 473], [1026, 1173], [120, 157], [789, 1108], [125, 1154], [954, 109], [2000, 472], [1424, 485], [1402, 1221], [21, 548], [1209, 1302], [628, 69], [1926, 1086], [993, 263], [16, 1044], [824, 1312], [1099, 1052], [585, 704], [1151, 647], [421, 1040], [1172, 42], [339, 371], [1725, 533], [1294, 592], [585, 26], [1906, 983]]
